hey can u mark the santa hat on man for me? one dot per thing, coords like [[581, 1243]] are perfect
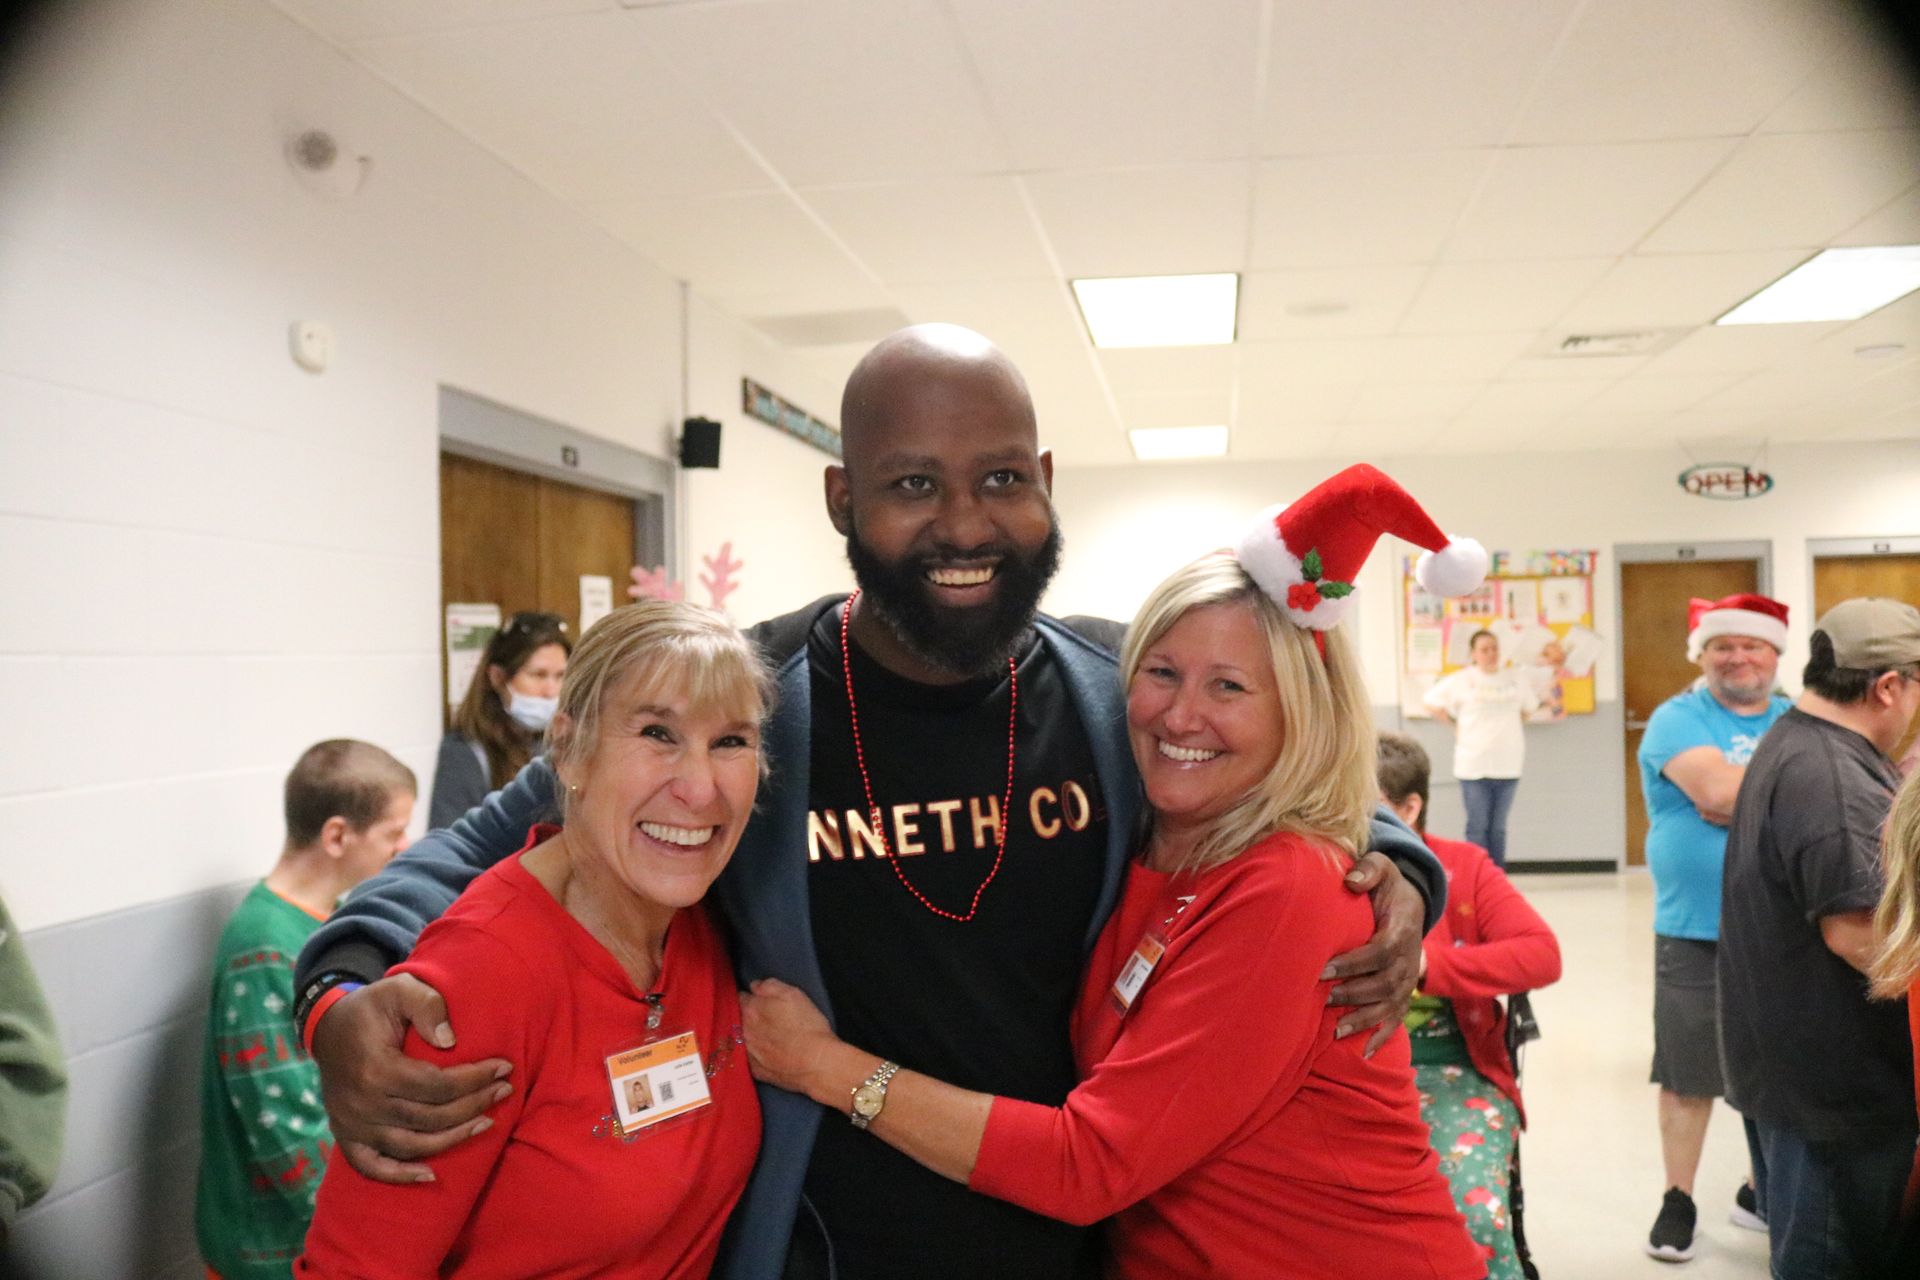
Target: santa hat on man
[[1742, 614], [1307, 555]]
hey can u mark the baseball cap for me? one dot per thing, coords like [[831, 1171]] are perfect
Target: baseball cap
[[1872, 634]]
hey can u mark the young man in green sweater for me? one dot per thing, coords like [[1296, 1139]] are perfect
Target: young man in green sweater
[[263, 1131]]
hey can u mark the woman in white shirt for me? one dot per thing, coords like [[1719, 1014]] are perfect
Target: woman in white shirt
[[1486, 705]]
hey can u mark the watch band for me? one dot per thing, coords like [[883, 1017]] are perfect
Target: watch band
[[875, 1088]]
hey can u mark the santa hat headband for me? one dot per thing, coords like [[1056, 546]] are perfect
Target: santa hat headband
[[1306, 555], [1744, 614]]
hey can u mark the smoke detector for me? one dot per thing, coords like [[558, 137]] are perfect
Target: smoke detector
[[323, 165]]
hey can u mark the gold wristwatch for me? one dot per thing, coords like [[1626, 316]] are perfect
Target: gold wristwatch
[[871, 1095]]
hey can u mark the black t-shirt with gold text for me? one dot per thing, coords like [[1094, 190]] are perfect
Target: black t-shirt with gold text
[[982, 1004]]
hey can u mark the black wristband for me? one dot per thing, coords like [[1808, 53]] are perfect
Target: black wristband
[[311, 993]]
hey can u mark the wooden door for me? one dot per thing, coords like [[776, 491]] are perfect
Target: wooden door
[[1895, 577], [1653, 642], [522, 541]]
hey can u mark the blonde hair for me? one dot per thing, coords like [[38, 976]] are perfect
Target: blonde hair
[[1322, 784], [668, 646], [1896, 923]]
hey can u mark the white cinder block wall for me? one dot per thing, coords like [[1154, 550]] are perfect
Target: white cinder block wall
[[210, 558]]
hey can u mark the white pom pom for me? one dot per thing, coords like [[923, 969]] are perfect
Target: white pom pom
[[1454, 571]]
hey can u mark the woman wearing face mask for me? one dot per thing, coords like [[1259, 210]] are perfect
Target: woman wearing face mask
[[501, 723]]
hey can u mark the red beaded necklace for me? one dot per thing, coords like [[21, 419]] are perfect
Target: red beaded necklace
[[866, 783]]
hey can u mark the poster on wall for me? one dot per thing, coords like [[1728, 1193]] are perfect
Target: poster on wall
[[596, 599], [469, 627], [1539, 604]]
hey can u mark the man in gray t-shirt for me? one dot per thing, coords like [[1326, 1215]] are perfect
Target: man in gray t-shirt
[[1825, 1074]]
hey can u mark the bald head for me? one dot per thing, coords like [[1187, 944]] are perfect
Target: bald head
[[945, 369]]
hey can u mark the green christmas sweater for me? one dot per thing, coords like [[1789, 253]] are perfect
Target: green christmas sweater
[[263, 1133]]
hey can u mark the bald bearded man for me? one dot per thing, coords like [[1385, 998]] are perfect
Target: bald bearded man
[[920, 935]]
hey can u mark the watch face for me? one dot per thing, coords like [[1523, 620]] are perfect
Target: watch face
[[867, 1100]]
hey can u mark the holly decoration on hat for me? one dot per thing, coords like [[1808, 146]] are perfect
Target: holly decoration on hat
[[1305, 595]]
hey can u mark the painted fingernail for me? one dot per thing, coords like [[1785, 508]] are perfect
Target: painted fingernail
[[1328, 974], [480, 1126], [499, 1095], [502, 1071], [424, 1176], [1342, 1032], [443, 1036]]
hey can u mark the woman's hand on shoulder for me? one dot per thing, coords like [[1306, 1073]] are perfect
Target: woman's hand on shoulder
[[1378, 977]]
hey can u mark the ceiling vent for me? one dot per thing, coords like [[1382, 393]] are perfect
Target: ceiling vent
[[1643, 342]]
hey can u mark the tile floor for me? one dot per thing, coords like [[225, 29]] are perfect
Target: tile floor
[[1592, 1150]]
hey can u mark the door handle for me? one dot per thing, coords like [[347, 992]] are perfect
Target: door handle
[[1636, 726]]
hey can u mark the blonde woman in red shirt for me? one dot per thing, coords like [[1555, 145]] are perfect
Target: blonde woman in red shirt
[[1220, 1122], [626, 1132]]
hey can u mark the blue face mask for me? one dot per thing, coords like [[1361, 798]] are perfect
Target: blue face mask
[[531, 714]]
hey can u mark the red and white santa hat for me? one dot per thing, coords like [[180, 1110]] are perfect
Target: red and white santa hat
[[1306, 555], [1742, 614]]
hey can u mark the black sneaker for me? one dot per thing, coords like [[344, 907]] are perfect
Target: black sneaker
[[1671, 1239], [1746, 1209]]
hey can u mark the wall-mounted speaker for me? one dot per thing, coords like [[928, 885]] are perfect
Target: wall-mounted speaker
[[700, 443]]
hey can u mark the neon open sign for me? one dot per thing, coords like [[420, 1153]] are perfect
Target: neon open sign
[[1725, 480]]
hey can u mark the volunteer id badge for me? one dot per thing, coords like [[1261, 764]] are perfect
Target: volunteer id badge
[[1139, 966], [658, 1081]]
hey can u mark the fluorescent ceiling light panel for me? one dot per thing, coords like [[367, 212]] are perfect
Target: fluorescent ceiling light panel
[[1161, 444], [1160, 311], [1837, 284]]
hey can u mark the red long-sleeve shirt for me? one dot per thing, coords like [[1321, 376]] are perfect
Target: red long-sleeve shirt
[[1491, 942], [1218, 1118], [552, 1189]]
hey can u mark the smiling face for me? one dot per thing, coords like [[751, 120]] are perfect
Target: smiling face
[[944, 501], [658, 801], [1203, 716], [1739, 669]]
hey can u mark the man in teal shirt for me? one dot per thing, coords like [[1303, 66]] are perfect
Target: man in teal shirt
[[263, 1131], [1692, 758]]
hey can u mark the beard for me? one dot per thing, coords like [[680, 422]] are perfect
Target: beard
[[966, 641]]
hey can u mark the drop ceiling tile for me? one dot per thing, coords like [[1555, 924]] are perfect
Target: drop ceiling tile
[[1035, 314], [1745, 348], [1373, 441], [347, 22], [736, 245], [1090, 83], [1326, 302], [1341, 210], [1163, 221], [1528, 400], [1649, 393], [1898, 321], [1488, 297], [1580, 201], [1133, 371], [887, 92], [1264, 399], [1376, 75], [1896, 222], [1177, 409], [936, 229], [1857, 81], [1399, 358], [1632, 70], [1675, 290], [1769, 392], [1380, 403], [1790, 191], [1267, 439], [1538, 368], [575, 102]]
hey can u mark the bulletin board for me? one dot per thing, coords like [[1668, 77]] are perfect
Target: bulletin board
[[1540, 605]]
